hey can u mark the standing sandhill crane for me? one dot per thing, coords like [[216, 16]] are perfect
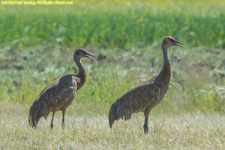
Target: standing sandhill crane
[[147, 95], [58, 95]]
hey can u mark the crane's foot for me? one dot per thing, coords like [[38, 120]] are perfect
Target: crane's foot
[[53, 113], [63, 125], [51, 125], [145, 129]]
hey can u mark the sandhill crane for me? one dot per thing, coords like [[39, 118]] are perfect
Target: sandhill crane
[[147, 95], [58, 95]]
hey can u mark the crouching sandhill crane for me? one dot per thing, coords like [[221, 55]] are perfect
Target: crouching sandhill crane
[[58, 95], [147, 95]]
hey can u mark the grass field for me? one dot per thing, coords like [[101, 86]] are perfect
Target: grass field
[[91, 131], [37, 45]]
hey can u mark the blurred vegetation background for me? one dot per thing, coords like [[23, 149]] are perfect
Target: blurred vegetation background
[[37, 45]]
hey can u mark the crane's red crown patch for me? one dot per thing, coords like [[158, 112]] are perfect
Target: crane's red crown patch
[[84, 51], [171, 38]]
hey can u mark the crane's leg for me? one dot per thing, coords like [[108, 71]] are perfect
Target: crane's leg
[[146, 112], [53, 113], [63, 116]]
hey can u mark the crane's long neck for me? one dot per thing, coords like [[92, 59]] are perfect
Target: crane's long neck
[[165, 74], [82, 75]]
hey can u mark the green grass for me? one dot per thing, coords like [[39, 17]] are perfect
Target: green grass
[[121, 25], [37, 45]]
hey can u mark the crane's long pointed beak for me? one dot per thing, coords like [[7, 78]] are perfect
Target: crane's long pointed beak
[[178, 43], [88, 56]]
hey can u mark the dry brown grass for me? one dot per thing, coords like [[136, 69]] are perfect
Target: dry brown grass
[[182, 131]]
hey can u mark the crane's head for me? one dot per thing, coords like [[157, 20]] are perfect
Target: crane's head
[[35, 113], [82, 53], [170, 41]]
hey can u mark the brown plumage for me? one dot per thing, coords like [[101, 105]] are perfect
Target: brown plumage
[[147, 95], [58, 95]]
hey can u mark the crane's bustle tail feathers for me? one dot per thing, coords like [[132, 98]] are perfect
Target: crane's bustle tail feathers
[[118, 111]]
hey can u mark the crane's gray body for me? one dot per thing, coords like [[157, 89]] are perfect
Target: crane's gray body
[[145, 96], [58, 95]]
